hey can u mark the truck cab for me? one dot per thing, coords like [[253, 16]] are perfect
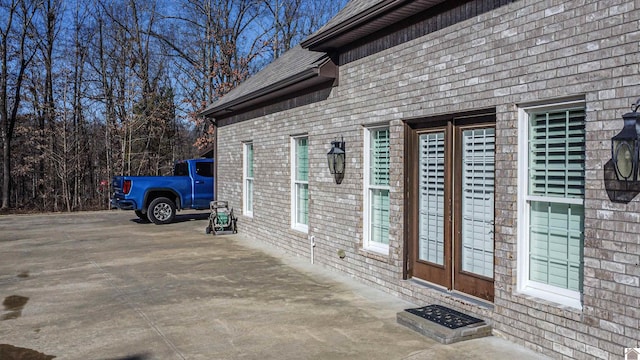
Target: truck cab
[[157, 198]]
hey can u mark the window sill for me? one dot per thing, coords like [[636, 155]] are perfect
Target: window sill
[[299, 228], [551, 299], [374, 254]]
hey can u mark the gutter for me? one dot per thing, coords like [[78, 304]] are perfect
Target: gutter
[[325, 69], [351, 23], [366, 22]]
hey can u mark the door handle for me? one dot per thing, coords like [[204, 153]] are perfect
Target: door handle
[[199, 182]]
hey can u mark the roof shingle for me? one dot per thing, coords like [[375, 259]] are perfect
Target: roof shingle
[[293, 62]]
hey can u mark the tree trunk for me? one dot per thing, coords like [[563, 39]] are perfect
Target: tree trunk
[[6, 172]]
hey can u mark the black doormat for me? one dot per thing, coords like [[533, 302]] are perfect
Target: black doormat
[[444, 316]]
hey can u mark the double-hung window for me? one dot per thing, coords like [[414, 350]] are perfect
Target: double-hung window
[[247, 174], [376, 189], [551, 202], [300, 183]]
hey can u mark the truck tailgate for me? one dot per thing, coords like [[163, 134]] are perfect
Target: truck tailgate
[[116, 184]]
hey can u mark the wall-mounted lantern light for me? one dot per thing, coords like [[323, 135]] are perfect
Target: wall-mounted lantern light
[[626, 145], [336, 159]]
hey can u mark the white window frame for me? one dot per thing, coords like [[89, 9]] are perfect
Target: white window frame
[[526, 286], [368, 244], [247, 195], [295, 183]]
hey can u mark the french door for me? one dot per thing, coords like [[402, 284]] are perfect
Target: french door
[[451, 200]]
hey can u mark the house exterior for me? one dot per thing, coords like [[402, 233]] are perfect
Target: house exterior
[[478, 161]]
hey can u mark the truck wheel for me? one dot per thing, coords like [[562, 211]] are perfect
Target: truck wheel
[[143, 217], [161, 211]]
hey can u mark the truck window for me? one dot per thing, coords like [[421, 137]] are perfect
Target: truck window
[[181, 169], [204, 169]]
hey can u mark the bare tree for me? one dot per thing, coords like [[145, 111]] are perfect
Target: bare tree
[[80, 148], [16, 53], [221, 42], [288, 22], [132, 73], [217, 42], [90, 89]]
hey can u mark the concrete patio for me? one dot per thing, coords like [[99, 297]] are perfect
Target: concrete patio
[[100, 285]]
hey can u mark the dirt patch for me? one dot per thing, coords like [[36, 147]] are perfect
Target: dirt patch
[[10, 352], [14, 305], [14, 302]]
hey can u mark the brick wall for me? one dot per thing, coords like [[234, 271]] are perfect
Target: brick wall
[[526, 52]]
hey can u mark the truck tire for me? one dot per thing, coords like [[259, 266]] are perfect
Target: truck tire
[[143, 217], [161, 211]]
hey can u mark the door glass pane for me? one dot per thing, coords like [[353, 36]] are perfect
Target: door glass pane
[[431, 201], [478, 159]]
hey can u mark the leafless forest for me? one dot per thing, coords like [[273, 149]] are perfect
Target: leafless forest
[[94, 88]]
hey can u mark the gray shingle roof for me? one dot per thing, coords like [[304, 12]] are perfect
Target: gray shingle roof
[[298, 63], [292, 63], [352, 9]]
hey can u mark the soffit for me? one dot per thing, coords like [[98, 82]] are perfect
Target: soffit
[[360, 18]]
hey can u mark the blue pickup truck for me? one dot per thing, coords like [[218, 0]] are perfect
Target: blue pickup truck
[[157, 198]]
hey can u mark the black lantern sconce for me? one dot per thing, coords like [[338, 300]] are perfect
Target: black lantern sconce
[[625, 146], [336, 158]]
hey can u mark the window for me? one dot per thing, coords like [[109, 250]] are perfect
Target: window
[[376, 188], [247, 193], [204, 169], [300, 183], [551, 202], [181, 169]]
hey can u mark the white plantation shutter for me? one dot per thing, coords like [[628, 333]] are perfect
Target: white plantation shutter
[[556, 233], [431, 202], [556, 197], [378, 187], [380, 216], [478, 159], [380, 157], [556, 156], [302, 159], [249, 195], [249, 162], [301, 181], [248, 180]]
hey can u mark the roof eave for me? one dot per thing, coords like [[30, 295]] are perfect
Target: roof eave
[[325, 71], [316, 39], [365, 23]]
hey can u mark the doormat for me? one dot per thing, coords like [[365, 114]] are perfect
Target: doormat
[[444, 316]]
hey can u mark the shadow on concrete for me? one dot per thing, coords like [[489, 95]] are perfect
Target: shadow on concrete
[[133, 357], [178, 219], [140, 221], [9, 352], [191, 217]]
